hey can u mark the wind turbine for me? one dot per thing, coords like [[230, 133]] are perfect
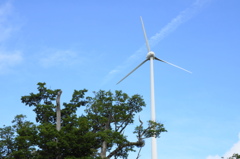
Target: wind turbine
[[151, 56]]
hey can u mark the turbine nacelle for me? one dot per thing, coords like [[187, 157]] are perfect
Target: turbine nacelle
[[150, 54]]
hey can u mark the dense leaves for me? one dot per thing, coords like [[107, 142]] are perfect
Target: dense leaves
[[7, 141], [43, 103], [97, 132], [235, 156]]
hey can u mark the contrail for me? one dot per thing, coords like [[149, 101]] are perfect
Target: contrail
[[181, 18]]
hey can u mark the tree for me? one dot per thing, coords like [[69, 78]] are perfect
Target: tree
[[6, 140], [17, 141], [97, 133], [235, 156]]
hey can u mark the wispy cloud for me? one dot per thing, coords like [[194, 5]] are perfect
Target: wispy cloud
[[181, 18], [9, 60], [214, 157], [53, 58], [234, 149], [6, 28]]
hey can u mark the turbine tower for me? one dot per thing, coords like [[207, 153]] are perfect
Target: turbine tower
[[151, 56]]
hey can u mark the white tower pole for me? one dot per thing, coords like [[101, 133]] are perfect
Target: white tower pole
[[151, 57], [154, 140]]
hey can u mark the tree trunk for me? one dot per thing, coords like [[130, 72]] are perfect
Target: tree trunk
[[104, 149], [58, 110], [58, 123], [104, 143]]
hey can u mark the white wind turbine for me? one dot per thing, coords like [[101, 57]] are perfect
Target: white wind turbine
[[151, 56]]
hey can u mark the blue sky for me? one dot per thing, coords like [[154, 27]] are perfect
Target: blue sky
[[92, 44]]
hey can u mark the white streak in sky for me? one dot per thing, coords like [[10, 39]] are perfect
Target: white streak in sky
[[181, 18]]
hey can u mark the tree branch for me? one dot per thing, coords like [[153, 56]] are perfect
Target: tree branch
[[139, 143]]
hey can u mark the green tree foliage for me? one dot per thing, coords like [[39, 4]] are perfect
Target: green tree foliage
[[98, 132], [7, 141], [235, 156]]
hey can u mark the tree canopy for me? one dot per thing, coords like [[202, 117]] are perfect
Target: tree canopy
[[235, 156], [97, 132]]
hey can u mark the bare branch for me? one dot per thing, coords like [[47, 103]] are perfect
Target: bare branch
[[120, 147], [139, 153]]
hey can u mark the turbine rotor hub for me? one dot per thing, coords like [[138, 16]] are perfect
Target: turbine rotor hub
[[150, 54]]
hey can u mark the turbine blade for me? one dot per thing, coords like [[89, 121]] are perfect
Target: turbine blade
[[145, 35], [133, 70], [173, 65]]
